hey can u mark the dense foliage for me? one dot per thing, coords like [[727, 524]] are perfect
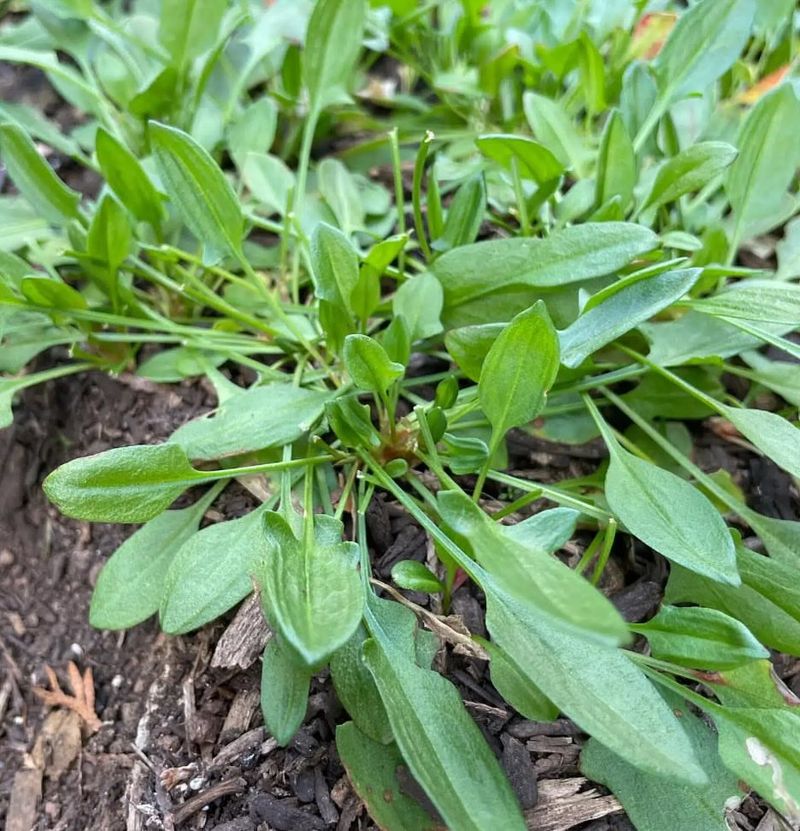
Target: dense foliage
[[567, 186]]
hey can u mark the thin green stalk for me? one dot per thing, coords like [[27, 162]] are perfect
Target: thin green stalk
[[551, 493], [268, 467], [346, 491], [399, 193], [416, 193], [609, 535], [519, 193], [309, 128], [432, 459]]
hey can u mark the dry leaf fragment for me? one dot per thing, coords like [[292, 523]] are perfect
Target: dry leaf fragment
[[82, 699]]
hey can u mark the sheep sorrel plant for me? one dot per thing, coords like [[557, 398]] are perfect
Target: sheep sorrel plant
[[393, 236]]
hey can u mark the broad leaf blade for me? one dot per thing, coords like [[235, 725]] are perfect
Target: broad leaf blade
[[700, 638], [530, 574], [689, 171], [257, 418], [284, 692], [439, 741], [127, 178], [312, 590], [621, 312], [332, 45], [568, 256], [126, 484], [658, 803], [212, 572], [518, 371], [706, 41], [767, 162], [368, 364], [35, 179], [372, 770], [199, 191], [131, 584], [597, 686]]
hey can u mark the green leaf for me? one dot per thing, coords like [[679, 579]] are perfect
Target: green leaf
[[333, 42], [464, 216], [284, 692], [372, 770], [212, 571], [334, 264], [254, 132], [518, 371], [667, 513], [689, 171], [548, 530], [616, 163], [256, 418], [769, 301], [53, 294], [130, 585], [351, 421], [468, 346], [705, 42], [125, 484], [772, 434], [700, 638], [368, 364], [440, 743], [110, 237], [420, 300], [188, 28], [767, 162], [416, 577], [530, 574], [356, 689], [516, 688], [569, 256], [659, 803], [269, 180], [35, 179], [533, 160], [199, 191], [767, 602], [597, 686], [782, 377], [312, 589], [553, 127], [759, 746], [338, 188], [127, 178], [635, 302]]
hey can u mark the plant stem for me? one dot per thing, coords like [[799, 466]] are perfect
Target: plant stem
[[416, 193], [399, 194]]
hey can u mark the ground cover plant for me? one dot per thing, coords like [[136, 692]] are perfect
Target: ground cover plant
[[554, 247]]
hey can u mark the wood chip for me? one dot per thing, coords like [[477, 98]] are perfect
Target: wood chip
[[241, 712], [521, 773], [563, 805], [58, 744], [26, 792], [244, 639], [250, 742], [206, 797]]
